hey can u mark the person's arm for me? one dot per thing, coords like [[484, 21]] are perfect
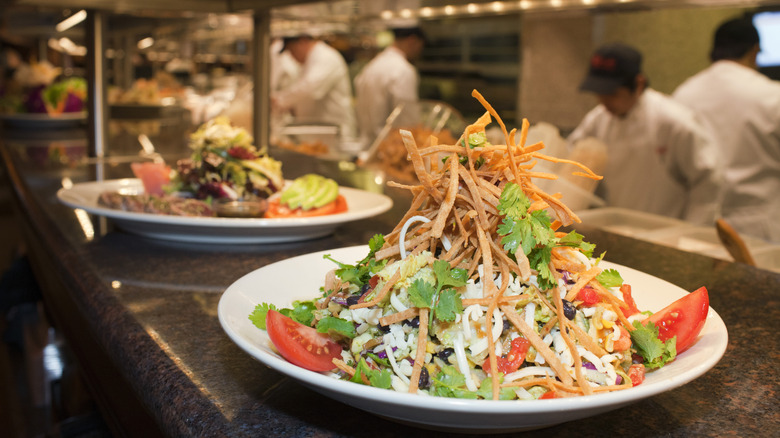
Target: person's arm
[[696, 164], [405, 89], [317, 77]]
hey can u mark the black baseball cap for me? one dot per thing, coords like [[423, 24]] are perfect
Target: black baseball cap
[[612, 66]]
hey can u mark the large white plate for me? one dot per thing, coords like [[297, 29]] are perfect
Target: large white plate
[[361, 204], [44, 121], [281, 283]]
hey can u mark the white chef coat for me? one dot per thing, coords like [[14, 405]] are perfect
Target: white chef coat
[[742, 108], [322, 92], [385, 82], [661, 160]]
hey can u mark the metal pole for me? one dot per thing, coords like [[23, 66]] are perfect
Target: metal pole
[[261, 72], [97, 121]]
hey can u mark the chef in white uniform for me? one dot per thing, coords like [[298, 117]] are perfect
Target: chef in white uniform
[[322, 91], [742, 107], [661, 160], [388, 80]]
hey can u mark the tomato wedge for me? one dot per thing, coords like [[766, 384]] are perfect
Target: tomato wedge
[[277, 210], [683, 318], [301, 345]]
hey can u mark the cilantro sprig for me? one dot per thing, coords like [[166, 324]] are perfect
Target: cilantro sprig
[[654, 352], [378, 378], [444, 301], [530, 232], [360, 273]]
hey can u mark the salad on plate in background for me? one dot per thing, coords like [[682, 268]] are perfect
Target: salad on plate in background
[[478, 294], [225, 170], [39, 88]]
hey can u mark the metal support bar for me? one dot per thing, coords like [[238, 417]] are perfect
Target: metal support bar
[[261, 72], [97, 120]]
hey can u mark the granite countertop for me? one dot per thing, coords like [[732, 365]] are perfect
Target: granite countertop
[[150, 307]]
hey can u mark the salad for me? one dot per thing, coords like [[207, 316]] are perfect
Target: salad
[[477, 294], [226, 164], [36, 90]]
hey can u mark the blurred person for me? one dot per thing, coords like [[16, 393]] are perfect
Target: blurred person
[[322, 91], [742, 108], [661, 160], [388, 80]]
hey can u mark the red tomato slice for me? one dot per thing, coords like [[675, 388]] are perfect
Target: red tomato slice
[[276, 209], [512, 361], [301, 345], [588, 296], [636, 373], [683, 318], [625, 289], [549, 395]]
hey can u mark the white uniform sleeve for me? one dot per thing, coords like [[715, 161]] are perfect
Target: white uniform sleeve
[[316, 79], [694, 161]]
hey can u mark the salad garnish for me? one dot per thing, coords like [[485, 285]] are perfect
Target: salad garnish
[[477, 294], [225, 163]]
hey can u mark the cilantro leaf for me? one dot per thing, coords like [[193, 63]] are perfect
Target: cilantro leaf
[[259, 314], [610, 278], [303, 312], [575, 240], [655, 353], [421, 293], [449, 305], [540, 259], [486, 390], [377, 378], [360, 273], [529, 231], [375, 244], [447, 276], [332, 324], [449, 382]]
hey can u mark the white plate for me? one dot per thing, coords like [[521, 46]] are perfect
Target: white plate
[[361, 204], [281, 283], [44, 121]]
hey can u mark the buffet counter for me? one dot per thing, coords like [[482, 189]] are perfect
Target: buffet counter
[[141, 318]]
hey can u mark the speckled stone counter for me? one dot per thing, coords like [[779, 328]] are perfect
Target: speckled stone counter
[[141, 315]]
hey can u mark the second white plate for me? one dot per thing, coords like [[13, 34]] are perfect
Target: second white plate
[[361, 205]]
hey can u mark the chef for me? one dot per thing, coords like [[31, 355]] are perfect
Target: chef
[[661, 160], [389, 80], [742, 108], [322, 92]]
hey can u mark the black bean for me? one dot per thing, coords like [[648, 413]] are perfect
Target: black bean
[[365, 288], [383, 328], [425, 378], [569, 310], [414, 322], [445, 354], [507, 325], [353, 299]]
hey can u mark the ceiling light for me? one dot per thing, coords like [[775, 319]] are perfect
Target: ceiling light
[[146, 43], [71, 21]]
